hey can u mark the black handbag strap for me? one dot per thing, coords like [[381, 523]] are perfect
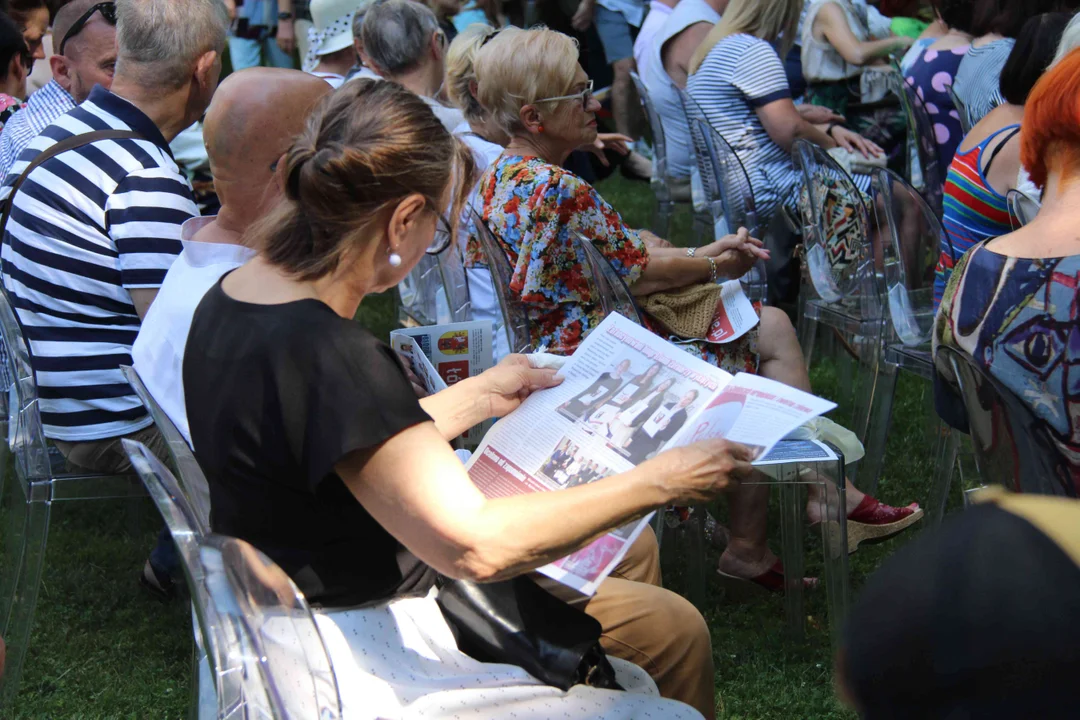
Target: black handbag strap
[[63, 146]]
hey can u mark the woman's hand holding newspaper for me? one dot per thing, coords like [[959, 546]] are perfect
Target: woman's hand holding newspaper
[[506, 385], [699, 472]]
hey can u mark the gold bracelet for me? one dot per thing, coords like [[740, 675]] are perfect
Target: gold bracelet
[[712, 269]]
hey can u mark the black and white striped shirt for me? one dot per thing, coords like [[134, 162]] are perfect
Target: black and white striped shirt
[[86, 228]]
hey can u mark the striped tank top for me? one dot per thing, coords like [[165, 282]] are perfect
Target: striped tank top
[[974, 211]]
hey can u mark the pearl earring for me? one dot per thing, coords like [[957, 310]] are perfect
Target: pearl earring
[[394, 260]]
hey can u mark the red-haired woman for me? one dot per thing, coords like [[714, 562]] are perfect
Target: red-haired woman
[[1011, 302]]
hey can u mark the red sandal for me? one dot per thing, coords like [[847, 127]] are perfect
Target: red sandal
[[768, 582], [873, 521]]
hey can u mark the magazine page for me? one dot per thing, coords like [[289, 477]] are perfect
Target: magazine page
[[754, 411], [797, 451], [456, 351], [625, 393], [422, 367]]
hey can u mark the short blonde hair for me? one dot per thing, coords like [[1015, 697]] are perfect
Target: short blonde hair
[[460, 73], [519, 67]]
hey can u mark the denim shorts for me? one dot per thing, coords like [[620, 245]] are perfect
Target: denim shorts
[[614, 32]]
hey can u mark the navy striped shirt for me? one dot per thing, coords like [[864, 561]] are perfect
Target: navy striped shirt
[[86, 228], [740, 74]]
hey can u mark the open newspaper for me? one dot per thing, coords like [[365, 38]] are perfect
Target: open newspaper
[[442, 355], [626, 396]]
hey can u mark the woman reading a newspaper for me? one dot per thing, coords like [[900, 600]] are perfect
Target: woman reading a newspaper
[[318, 452], [530, 83]]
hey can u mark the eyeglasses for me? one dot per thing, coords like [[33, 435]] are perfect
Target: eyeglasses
[[585, 96], [444, 234], [108, 12]]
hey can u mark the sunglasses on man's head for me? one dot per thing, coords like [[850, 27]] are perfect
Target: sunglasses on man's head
[[108, 12]]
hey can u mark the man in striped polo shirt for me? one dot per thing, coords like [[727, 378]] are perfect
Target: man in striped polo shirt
[[94, 229]]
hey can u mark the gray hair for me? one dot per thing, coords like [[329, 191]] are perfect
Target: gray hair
[[396, 34], [1070, 40], [164, 38]]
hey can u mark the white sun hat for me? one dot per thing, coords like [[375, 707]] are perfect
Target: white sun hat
[[331, 28]]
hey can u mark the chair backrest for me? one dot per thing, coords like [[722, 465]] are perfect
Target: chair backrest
[[1012, 447], [455, 283], [836, 231], [912, 238], [515, 316], [961, 109], [419, 293], [26, 436], [1022, 208], [610, 289], [660, 172], [265, 651], [923, 162], [287, 669], [736, 204], [730, 176], [700, 147], [193, 483]]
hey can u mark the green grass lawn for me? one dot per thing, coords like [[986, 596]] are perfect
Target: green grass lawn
[[101, 648]]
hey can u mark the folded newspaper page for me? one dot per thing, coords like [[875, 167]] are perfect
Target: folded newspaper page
[[445, 354], [627, 395]]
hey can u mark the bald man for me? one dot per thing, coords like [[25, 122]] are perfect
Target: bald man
[[85, 54], [251, 123]]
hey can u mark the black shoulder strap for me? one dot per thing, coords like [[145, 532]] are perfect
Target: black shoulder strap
[[63, 146], [993, 154]]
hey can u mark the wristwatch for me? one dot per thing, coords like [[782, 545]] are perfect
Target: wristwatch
[[284, 16]]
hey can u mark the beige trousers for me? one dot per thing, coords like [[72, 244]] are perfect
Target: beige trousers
[[654, 628]]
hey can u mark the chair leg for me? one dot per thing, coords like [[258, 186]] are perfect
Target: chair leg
[[944, 467], [834, 545], [20, 579], [792, 517], [879, 421], [807, 332]]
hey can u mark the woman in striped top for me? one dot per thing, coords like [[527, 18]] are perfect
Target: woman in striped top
[[987, 162], [738, 80]]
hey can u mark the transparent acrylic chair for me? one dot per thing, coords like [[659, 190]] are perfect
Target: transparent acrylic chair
[[791, 479], [729, 195], [925, 172], [40, 479], [193, 482], [912, 238], [660, 181], [421, 295], [840, 288], [1022, 208], [515, 316], [267, 658], [961, 109], [455, 283], [1012, 447]]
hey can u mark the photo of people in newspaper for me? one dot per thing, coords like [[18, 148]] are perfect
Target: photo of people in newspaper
[[569, 466], [635, 405], [597, 393]]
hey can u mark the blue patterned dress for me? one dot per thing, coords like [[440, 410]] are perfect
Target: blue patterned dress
[[1019, 318]]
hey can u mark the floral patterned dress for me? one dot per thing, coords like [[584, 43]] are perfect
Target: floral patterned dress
[[535, 209]]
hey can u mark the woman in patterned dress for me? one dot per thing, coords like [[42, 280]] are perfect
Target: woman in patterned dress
[[1011, 303], [531, 84]]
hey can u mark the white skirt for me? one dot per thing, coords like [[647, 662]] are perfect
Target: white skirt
[[401, 661]]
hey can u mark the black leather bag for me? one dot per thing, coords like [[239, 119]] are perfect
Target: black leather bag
[[519, 623]]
